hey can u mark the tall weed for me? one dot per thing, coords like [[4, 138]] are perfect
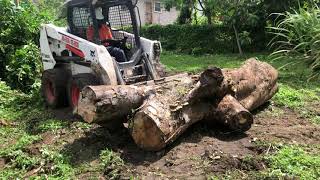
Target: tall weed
[[298, 33]]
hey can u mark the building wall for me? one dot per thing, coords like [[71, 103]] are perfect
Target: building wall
[[142, 11], [163, 18]]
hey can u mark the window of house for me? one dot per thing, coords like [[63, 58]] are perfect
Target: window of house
[[157, 7]]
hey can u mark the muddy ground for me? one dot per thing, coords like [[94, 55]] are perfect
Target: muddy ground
[[201, 152]]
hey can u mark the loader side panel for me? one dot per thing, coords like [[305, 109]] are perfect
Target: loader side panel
[[152, 48], [46, 53], [57, 43]]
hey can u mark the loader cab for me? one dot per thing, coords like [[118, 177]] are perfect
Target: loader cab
[[123, 17], [119, 14]]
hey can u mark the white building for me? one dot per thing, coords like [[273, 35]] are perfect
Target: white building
[[153, 12]]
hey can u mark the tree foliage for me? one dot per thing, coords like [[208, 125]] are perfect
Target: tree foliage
[[209, 8], [19, 36]]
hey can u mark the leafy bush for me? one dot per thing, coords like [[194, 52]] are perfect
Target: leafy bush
[[299, 34], [24, 68], [201, 39], [19, 35]]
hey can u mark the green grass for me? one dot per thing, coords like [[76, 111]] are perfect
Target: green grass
[[52, 125], [111, 163], [28, 120], [295, 161], [284, 162], [19, 160], [187, 63]]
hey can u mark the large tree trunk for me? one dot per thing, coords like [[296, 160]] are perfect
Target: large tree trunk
[[220, 95], [114, 103], [162, 111], [252, 84]]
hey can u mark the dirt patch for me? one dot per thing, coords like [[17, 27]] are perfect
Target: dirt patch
[[205, 150], [2, 163], [202, 150], [48, 138], [288, 127]]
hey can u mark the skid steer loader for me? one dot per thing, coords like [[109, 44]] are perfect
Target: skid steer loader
[[72, 62]]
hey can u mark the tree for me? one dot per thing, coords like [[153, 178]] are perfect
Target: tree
[[241, 14], [208, 8], [186, 8]]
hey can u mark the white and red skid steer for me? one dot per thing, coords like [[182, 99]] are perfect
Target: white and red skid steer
[[72, 62]]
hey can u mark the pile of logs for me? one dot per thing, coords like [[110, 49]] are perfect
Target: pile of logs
[[159, 111]]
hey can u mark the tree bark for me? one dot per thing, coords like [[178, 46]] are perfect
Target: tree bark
[[232, 114], [157, 124], [209, 16], [17, 2], [114, 103], [252, 84], [110, 103]]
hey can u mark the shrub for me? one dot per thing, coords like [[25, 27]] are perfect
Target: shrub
[[299, 34], [201, 39], [24, 68], [19, 34]]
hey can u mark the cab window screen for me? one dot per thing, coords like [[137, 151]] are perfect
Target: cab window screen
[[81, 21]]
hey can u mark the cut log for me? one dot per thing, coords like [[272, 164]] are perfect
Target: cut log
[[253, 84], [157, 125], [104, 104], [110, 103], [231, 113]]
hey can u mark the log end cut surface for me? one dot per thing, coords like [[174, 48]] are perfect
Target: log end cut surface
[[146, 133]]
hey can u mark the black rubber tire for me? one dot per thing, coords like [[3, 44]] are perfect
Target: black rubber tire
[[80, 81], [53, 87]]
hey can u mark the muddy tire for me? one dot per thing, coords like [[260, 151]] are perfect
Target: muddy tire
[[76, 84], [53, 87]]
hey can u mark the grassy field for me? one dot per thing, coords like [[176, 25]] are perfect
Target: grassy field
[[36, 143]]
